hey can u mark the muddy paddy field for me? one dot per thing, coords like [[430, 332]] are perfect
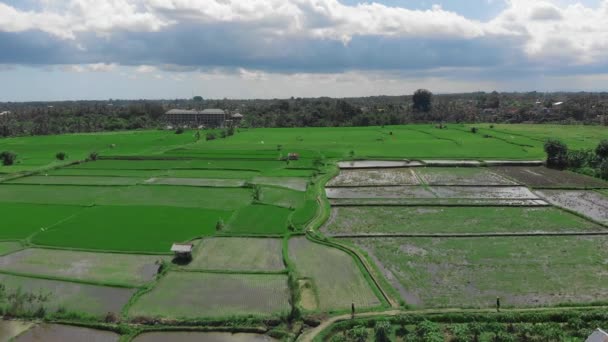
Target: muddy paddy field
[[487, 233]]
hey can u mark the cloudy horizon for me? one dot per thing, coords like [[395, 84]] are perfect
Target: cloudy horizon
[[89, 49]]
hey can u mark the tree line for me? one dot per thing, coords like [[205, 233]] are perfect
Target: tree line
[[42, 118]]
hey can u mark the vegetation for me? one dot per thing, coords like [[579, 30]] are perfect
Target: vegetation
[[238, 254], [8, 158]]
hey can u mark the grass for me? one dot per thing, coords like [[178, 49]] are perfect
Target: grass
[[22, 220], [259, 219], [282, 197], [337, 279], [123, 269], [73, 297], [472, 272], [67, 171], [428, 220], [62, 332], [201, 182], [238, 254], [186, 164], [191, 295], [7, 247], [132, 228]]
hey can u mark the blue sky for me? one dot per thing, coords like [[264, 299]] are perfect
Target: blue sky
[[90, 49]]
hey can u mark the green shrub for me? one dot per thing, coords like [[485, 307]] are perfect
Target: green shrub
[[603, 169], [557, 154], [210, 136], [382, 331], [602, 150], [357, 334], [61, 155], [8, 158]]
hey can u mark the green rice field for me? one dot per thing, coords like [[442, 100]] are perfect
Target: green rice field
[[91, 234], [132, 228], [259, 219]]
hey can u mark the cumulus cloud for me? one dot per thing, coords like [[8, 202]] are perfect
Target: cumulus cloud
[[298, 35]]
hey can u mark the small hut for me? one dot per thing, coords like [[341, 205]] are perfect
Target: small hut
[[182, 251], [293, 156]]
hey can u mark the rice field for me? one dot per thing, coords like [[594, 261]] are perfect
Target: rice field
[[293, 183], [191, 295], [200, 182], [454, 220], [375, 177], [238, 254], [73, 297], [259, 219], [338, 282], [461, 176], [282, 197], [59, 333], [472, 272], [379, 192], [542, 177], [122, 269], [77, 180], [587, 203], [7, 247], [192, 336], [20, 221], [132, 228]]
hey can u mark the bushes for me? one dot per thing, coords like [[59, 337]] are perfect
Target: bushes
[[61, 155], [602, 150], [210, 136], [382, 331], [8, 158], [557, 154]]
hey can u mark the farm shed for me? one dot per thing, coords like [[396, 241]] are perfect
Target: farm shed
[[598, 335], [293, 156], [182, 250]]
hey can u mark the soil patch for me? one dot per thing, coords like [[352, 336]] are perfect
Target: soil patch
[[201, 336], [544, 177], [62, 333]]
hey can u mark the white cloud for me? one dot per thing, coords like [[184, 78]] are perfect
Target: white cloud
[[145, 69], [547, 30]]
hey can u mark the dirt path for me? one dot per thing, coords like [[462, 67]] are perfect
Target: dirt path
[[309, 335], [465, 235]]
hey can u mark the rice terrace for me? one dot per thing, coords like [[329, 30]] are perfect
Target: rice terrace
[[285, 234]]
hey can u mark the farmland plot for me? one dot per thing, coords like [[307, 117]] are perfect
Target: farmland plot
[[194, 295], [379, 192], [542, 177], [178, 196], [282, 197], [123, 269], [214, 174], [364, 164], [132, 228], [336, 277], [22, 220], [77, 180], [61, 333], [202, 182], [375, 177], [259, 219], [472, 272], [92, 299], [54, 194], [305, 214], [67, 171], [192, 336], [238, 254], [461, 176], [588, 203], [454, 220], [293, 183], [462, 202], [480, 192]]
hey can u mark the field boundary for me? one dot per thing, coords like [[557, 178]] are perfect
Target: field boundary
[[466, 235], [72, 280]]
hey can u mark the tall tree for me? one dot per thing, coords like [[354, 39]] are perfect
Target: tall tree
[[422, 100]]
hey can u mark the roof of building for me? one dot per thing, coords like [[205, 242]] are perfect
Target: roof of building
[[181, 248], [237, 115], [598, 335], [194, 111], [6, 112]]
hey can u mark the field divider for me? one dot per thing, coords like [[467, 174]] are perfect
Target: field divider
[[106, 251], [466, 235], [243, 272], [72, 280]]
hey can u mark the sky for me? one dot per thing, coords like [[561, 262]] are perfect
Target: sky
[[163, 49]]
